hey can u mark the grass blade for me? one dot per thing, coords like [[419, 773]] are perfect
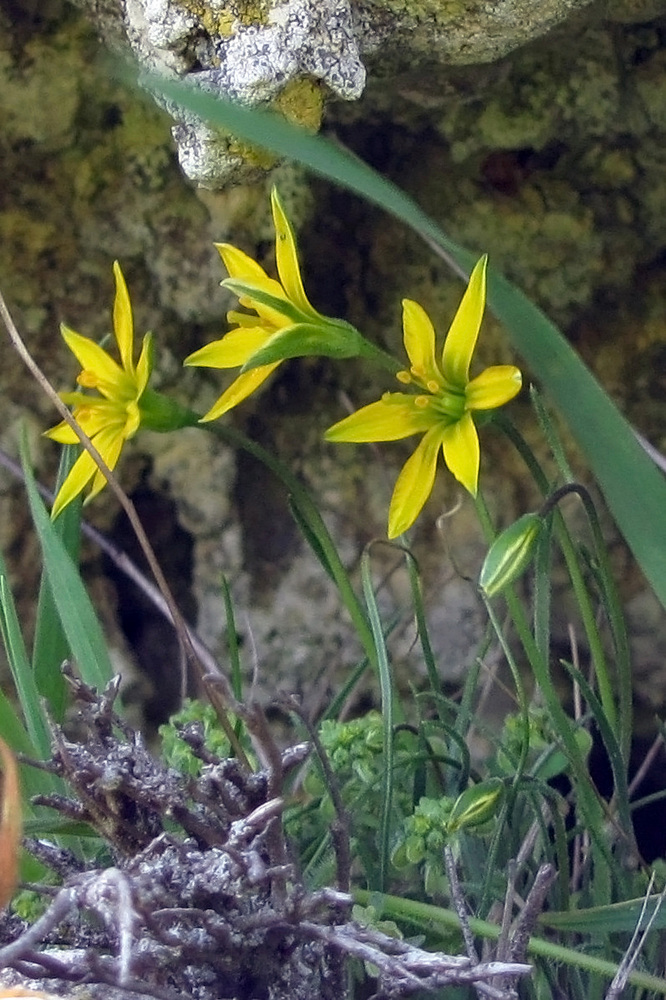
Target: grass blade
[[50, 647], [79, 621]]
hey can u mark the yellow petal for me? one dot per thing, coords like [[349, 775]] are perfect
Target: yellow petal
[[391, 418], [93, 414], [241, 266], [144, 365], [276, 313], [95, 359], [122, 320], [287, 259], [132, 420], [493, 387], [241, 319], [79, 476], [62, 433], [461, 338], [460, 444], [414, 484], [109, 444], [240, 389], [232, 350], [419, 339]]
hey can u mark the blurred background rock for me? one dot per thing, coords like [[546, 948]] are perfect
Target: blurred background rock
[[531, 129]]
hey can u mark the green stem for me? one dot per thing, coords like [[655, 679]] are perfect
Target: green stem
[[427, 916], [589, 801], [615, 618], [377, 356], [313, 518], [389, 704]]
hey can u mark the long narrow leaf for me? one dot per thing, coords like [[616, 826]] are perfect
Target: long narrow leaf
[[50, 646], [634, 488], [21, 670], [79, 621], [389, 705], [607, 919]]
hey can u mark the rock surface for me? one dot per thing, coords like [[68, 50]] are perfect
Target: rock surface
[[551, 158]]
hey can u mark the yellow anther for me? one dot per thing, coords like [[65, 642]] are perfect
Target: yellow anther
[[432, 386], [88, 379], [421, 402], [404, 377]]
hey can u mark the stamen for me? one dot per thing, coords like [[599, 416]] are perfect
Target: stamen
[[404, 377], [432, 386], [88, 379], [422, 402]]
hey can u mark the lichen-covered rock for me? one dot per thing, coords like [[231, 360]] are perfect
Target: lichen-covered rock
[[282, 53], [297, 54]]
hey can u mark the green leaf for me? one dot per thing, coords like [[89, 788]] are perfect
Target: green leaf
[[37, 729], [634, 489], [243, 289], [79, 621], [50, 646], [608, 919]]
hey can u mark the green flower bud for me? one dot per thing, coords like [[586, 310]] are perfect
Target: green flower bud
[[510, 554], [476, 805]]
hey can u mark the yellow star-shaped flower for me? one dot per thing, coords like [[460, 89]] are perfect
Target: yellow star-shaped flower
[[279, 306], [114, 416], [442, 408]]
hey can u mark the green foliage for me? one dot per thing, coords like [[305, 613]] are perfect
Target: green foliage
[[419, 811], [202, 717]]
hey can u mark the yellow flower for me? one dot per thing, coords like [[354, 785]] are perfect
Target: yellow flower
[[279, 306], [441, 410], [113, 417]]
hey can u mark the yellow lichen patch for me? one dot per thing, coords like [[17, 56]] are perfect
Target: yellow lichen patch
[[302, 103], [222, 20], [254, 156]]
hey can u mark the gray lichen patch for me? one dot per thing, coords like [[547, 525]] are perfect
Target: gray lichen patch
[[281, 54], [461, 32]]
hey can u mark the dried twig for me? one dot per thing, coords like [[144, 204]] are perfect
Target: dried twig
[[217, 909], [340, 830], [638, 939]]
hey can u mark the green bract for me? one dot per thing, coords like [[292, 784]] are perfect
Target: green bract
[[510, 554], [476, 805]]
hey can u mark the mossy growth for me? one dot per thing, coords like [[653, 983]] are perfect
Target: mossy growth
[[437, 11]]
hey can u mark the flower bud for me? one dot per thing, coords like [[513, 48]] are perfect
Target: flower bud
[[476, 805], [510, 554]]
